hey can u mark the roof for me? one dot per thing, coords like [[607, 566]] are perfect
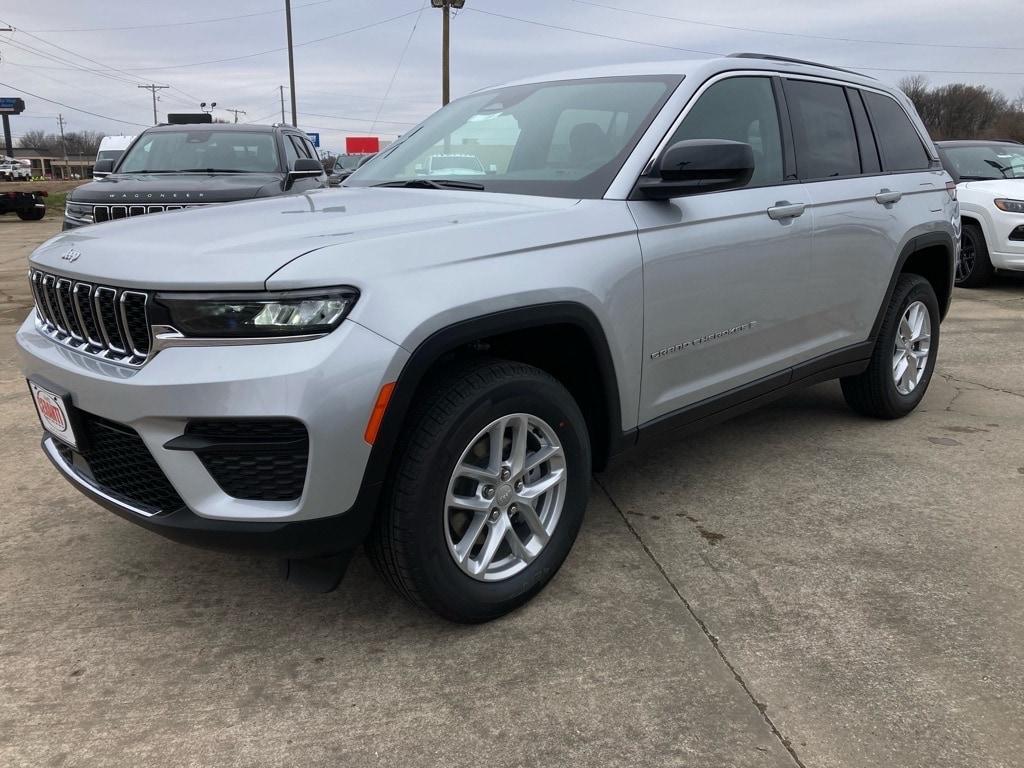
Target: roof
[[706, 67], [234, 127]]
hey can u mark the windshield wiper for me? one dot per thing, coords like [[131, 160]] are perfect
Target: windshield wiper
[[432, 184], [965, 177]]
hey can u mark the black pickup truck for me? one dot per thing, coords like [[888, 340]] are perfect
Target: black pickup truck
[[29, 206]]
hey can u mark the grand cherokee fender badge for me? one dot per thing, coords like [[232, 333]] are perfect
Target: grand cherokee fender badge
[[71, 254], [702, 340]]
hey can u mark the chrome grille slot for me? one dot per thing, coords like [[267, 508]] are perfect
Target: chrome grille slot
[[106, 312], [119, 211], [98, 320], [67, 309], [50, 301], [83, 303], [136, 210], [133, 317], [100, 213]]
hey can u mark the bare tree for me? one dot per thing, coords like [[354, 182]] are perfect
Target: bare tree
[[37, 139]]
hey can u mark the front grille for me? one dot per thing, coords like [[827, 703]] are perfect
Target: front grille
[[99, 320], [105, 212], [258, 459], [115, 458]]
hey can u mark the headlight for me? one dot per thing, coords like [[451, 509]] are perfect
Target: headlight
[[78, 211], [1010, 206], [250, 315]]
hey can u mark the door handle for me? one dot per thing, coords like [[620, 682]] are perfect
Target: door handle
[[786, 210], [888, 197]]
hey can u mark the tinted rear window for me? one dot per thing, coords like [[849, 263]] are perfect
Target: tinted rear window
[[826, 144], [898, 141]]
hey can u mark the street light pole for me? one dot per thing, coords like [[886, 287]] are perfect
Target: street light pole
[[446, 6], [291, 59]]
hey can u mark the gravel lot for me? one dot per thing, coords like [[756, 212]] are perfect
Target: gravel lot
[[799, 586]]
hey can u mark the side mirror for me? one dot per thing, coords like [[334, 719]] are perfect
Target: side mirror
[[304, 168], [103, 167], [699, 165]]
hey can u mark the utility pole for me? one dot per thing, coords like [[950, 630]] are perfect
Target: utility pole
[[154, 89], [282, 103], [291, 59], [63, 143], [446, 6], [237, 112]]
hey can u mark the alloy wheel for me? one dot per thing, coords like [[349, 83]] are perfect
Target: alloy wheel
[[505, 497], [911, 349]]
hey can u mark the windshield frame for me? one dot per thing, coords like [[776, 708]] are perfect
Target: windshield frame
[[592, 186], [994, 146], [275, 138]]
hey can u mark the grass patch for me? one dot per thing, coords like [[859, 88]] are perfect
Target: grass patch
[[55, 202]]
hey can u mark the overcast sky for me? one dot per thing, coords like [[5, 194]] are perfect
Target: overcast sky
[[344, 73]]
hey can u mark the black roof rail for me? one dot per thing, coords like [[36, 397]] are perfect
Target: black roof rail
[[788, 60]]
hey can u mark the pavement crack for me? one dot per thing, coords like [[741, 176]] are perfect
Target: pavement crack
[[761, 707], [951, 379]]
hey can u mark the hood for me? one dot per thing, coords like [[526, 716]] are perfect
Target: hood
[[238, 246], [1013, 188], [174, 187]]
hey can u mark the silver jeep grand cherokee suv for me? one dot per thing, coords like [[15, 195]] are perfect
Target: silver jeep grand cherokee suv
[[434, 362]]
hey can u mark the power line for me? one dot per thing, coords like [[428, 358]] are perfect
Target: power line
[[179, 23], [278, 50], [719, 53], [592, 34], [398, 66], [358, 119], [33, 50], [796, 34], [75, 109]]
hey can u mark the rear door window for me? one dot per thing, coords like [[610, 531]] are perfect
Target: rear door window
[[826, 143], [900, 144]]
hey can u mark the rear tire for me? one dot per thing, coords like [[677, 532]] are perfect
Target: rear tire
[[451, 493], [897, 377], [34, 215], [974, 269]]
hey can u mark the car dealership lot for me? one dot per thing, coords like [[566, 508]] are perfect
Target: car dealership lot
[[800, 584]]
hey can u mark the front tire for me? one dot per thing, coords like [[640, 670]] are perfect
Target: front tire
[[34, 215], [488, 491], [903, 359], [974, 267]]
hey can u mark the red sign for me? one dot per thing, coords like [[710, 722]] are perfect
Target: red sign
[[362, 145]]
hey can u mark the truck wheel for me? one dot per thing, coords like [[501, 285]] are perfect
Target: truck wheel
[[32, 215], [904, 356], [487, 493], [974, 267]]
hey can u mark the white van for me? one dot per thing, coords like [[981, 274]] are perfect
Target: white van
[[111, 148]]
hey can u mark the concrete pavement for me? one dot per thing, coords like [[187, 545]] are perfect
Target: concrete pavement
[[797, 587]]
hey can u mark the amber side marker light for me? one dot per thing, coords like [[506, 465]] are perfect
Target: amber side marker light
[[377, 414]]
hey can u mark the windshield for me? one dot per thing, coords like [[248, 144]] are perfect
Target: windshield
[[562, 139], [109, 154], [348, 162], [987, 161], [202, 150]]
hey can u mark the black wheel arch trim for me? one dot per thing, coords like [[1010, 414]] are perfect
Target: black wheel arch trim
[[915, 244], [464, 332]]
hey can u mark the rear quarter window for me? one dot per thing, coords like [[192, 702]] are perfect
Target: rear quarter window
[[898, 141], [826, 143]]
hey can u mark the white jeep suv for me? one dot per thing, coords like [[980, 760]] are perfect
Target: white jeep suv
[[990, 186]]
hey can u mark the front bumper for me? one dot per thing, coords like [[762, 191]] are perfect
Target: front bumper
[[328, 384]]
